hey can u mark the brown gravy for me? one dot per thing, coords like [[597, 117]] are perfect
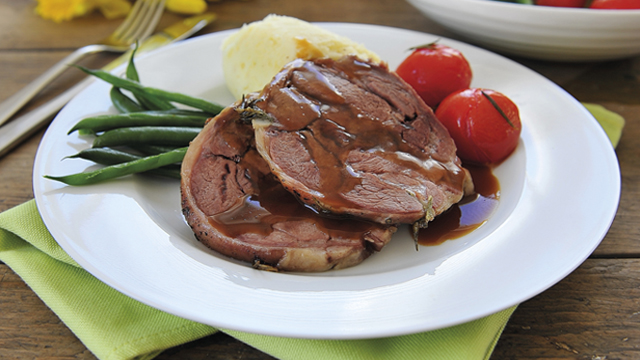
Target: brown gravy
[[274, 204], [469, 214], [258, 213], [336, 135], [328, 135]]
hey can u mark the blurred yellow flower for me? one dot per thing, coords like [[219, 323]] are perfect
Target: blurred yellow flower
[[60, 10], [188, 7], [63, 10], [113, 9]]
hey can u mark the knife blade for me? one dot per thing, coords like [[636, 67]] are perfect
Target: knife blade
[[16, 131]]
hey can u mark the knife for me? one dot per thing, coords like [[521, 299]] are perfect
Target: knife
[[16, 131]]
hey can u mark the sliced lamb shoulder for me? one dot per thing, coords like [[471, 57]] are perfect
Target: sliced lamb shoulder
[[352, 138], [235, 206]]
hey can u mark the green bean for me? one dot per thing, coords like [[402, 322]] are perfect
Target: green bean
[[145, 118], [132, 72], [155, 135], [122, 102], [119, 170], [104, 156], [109, 156], [155, 92], [149, 103], [86, 132], [151, 149], [186, 112]]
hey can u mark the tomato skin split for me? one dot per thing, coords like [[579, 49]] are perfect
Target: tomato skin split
[[435, 71], [481, 133]]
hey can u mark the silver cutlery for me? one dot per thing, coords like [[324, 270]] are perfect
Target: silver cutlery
[[14, 132], [138, 25]]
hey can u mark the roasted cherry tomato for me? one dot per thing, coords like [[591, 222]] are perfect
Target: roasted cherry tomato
[[435, 71], [562, 3], [615, 4], [484, 124]]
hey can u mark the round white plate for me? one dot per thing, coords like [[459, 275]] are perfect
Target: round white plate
[[560, 192]]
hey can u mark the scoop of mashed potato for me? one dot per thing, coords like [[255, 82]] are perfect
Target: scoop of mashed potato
[[252, 56]]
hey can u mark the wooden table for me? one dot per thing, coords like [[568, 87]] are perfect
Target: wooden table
[[594, 313]]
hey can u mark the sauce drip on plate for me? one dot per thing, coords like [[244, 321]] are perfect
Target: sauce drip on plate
[[469, 214]]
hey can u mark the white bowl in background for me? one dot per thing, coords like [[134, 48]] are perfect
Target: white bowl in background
[[539, 32]]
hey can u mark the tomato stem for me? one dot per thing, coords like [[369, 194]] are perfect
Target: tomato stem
[[425, 46], [495, 105]]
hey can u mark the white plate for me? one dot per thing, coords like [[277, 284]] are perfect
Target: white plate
[[560, 191], [540, 32]]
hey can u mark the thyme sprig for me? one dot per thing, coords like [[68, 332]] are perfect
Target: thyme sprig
[[495, 105]]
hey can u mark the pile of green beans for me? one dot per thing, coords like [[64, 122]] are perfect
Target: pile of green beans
[[149, 135]]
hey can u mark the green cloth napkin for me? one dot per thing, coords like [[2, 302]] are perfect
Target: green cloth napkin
[[114, 326], [611, 122]]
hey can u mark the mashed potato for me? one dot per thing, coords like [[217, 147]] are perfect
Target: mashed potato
[[252, 56]]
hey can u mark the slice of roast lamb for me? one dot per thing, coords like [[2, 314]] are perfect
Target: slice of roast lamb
[[235, 206], [348, 137]]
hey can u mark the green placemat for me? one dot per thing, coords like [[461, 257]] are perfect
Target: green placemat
[[114, 326]]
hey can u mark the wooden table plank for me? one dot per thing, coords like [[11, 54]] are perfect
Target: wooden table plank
[[622, 238], [592, 314], [21, 67], [24, 30], [21, 29], [16, 172]]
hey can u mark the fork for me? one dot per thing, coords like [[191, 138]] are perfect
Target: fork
[[138, 25]]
